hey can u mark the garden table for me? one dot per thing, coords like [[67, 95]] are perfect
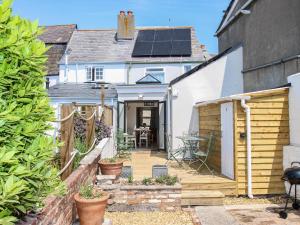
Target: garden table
[[190, 144]]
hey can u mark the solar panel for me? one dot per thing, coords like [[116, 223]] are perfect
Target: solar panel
[[162, 48], [163, 35], [142, 49], [166, 42], [182, 35], [181, 48], [145, 35]]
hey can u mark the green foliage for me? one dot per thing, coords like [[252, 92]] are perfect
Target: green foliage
[[130, 179], [26, 153], [147, 181], [167, 179], [88, 192], [81, 147]]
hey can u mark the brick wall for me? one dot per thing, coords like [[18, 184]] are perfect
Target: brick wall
[[128, 198], [62, 210]]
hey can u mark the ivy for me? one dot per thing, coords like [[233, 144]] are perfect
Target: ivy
[[26, 153]]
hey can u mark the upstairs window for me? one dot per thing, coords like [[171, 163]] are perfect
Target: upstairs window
[[157, 73], [94, 73]]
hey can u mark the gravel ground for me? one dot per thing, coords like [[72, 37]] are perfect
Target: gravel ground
[[256, 200], [149, 218]]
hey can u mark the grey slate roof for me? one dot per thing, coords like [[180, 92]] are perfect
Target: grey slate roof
[[101, 46], [57, 37], [79, 91], [57, 34]]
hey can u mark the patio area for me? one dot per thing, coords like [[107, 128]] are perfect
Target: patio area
[[198, 188]]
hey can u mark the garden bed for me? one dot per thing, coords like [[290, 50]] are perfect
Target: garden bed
[[139, 197]]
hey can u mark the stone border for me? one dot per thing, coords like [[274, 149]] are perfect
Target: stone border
[[129, 198]]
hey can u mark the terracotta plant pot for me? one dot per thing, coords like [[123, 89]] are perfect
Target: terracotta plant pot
[[108, 168], [91, 211]]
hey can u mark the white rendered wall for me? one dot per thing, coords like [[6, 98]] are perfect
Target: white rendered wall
[[138, 71], [113, 73], [221, 78], [292, 152]]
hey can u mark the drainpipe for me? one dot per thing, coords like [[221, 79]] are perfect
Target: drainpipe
[[128, 72], [249, 157], [170, 134]]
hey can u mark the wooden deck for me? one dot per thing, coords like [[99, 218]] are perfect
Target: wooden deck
[[191, 180]]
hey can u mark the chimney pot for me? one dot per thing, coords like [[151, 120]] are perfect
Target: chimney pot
[[122, 12], [129, 13], [126, 25]]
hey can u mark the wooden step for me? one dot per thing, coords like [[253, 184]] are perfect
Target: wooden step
[[228, 189], [202, 197]]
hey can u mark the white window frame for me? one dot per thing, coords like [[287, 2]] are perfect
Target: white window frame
[[86, 73], [101, 75], [93, 74], [151, 68]]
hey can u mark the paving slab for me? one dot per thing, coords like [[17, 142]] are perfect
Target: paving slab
[[215, 215]]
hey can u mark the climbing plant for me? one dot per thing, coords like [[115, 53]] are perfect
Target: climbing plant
[[26, 172]]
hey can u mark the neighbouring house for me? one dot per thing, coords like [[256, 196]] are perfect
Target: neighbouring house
[[56, 38], [136, 62], [218, 77], [269, 32]]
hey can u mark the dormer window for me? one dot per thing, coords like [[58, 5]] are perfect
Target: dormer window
[[94, 73]]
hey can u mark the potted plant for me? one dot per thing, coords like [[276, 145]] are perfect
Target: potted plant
[[91, 204], [113, 166]]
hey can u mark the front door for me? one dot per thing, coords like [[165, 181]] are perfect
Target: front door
[[227, 156]]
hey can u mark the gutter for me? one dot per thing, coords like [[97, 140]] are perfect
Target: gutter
[[249, 147], [283, 60]]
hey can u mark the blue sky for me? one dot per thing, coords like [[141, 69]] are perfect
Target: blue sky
[[204, 15]]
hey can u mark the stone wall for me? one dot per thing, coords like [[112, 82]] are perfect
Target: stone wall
[[128, 198], [62, 210]]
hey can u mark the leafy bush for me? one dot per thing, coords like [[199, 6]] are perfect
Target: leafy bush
[[88, 192], [101, 130], [167, 179], [147, 181], [26, 153]]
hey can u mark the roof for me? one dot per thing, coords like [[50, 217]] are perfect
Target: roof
[[101, 46], [202, 65], [57, 34], [79, 91], [57, 38], [246, 96], [148, 79], [232, 12]]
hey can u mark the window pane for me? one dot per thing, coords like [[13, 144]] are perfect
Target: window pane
[[157, 73], [89, 73], [98, 73]]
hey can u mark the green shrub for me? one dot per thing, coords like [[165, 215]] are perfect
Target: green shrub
[[88, 192], [26, 172], [130, 179], [167, 179], [147, 181]]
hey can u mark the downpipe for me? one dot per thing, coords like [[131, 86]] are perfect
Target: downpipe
[[249, 146]]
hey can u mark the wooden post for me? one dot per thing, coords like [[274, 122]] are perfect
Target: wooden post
[[90, 126], [67, 137]]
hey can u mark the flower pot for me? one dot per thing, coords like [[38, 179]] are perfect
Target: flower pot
[[91, 211], [108, 168]]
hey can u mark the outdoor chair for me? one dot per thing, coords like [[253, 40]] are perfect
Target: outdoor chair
[[144, 136], [202, 155], [131, 140], [177, 154]]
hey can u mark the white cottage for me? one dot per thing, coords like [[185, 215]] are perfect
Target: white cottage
[[137, 64]]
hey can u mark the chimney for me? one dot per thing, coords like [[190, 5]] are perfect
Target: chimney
[[126, 25]]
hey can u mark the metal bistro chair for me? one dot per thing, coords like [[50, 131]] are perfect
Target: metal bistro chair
[[180, 152], [202, 155]]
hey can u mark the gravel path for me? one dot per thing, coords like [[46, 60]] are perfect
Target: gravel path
[[149, 218]]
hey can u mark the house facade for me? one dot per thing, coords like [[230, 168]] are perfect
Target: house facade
[[56, 38], [136, 63], [269, 32]]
